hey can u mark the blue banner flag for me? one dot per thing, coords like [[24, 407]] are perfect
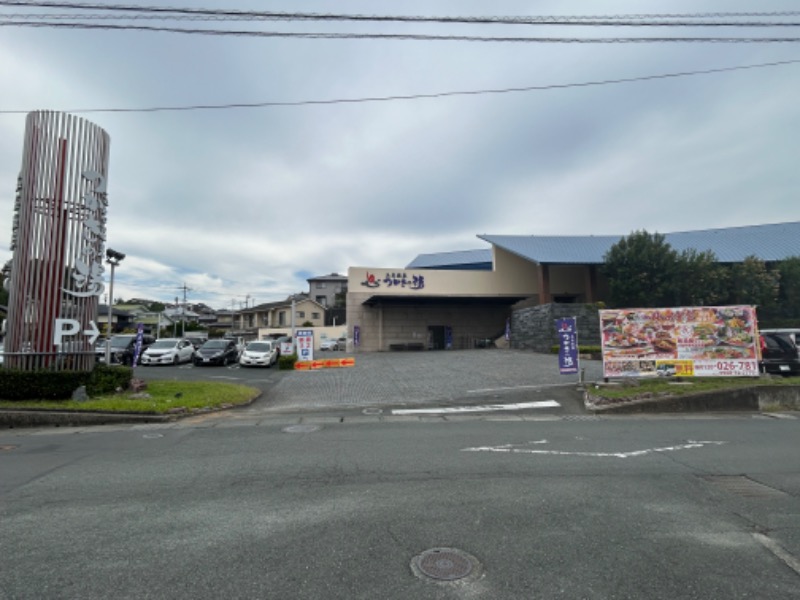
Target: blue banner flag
[[138, 347], [567, 330]]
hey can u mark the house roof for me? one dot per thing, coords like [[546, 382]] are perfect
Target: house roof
[[771, 242], [298, 299], [331, 277]]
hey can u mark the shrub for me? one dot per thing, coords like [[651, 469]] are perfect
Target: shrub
[[581, 349], [105, 379], [286, 362], [39, 385], [58, 385]]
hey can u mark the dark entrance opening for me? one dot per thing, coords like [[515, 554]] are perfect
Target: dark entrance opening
[[436, 337]]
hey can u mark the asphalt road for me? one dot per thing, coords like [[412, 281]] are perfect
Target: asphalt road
[[402, 379], [605, 508]]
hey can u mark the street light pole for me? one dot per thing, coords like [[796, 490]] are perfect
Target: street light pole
[[113, 258]]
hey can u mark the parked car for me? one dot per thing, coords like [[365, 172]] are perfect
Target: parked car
[[216, 352], [123, 348], [168, 351], [779, 354], [329, 345], [259, 354], [197, 341], [792, 333], [277, 339]]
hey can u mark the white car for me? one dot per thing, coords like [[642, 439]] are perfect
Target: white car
[[329, 345], [168, 351], [259, 354]]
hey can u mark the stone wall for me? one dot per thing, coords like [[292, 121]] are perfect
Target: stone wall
[[533, 326]]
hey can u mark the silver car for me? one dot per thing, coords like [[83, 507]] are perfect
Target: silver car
[[259, 354], [168, 351]]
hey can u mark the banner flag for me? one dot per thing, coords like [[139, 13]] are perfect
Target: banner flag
[[567, 330]]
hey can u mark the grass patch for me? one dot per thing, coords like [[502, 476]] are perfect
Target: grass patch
[[165, 396], [686, 385]]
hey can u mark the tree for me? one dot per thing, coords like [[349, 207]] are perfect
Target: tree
[[641, 271], [700, 280], [752, 283], [789, 287]]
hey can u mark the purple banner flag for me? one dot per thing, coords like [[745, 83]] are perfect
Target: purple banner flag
[[567, 330]]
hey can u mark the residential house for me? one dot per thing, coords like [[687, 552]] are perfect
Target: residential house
[[279, 314]]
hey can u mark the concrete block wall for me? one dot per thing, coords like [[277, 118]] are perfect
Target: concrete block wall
[[533, 327]]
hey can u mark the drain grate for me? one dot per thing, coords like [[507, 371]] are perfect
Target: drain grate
[[301, 429], [445, 564], [743, 486]]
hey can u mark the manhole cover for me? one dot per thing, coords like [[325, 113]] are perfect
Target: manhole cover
[[444, 564], [300, 428], [7, 447], [743, 486]]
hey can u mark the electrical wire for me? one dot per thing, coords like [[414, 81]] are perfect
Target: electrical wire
[[396, 18], [409, 97], [566, 21], [408, 36]]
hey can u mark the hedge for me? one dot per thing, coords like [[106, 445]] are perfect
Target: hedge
[[16, 384]]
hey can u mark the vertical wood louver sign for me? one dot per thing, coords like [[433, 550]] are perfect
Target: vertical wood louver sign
[[58, 238]]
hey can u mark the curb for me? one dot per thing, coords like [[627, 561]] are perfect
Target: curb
[[748, 399]]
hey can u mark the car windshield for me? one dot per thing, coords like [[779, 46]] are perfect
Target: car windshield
[[163, 344], [215, 344], [259, 347], [121, 342]]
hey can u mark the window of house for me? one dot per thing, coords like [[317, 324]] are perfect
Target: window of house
[[315, 315], [301, 314], [322, 300], [321, 285], [282, 317]]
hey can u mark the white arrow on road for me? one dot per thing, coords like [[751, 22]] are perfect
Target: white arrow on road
[[94, 332]]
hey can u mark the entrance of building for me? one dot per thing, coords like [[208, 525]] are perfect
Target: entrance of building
[[440, 337]]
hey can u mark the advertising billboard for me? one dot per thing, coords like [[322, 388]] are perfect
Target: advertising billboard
[[705, 341]]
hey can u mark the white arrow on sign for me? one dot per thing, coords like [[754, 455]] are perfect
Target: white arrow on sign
[[93, 332]]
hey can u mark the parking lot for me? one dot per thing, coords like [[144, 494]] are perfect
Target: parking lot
[[384, 379]]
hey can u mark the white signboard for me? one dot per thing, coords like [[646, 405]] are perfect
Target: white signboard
[[304, 339]]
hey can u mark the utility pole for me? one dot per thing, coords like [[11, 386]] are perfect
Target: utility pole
[[183, 309]]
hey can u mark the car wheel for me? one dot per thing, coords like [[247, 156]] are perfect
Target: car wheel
[[175, 360]]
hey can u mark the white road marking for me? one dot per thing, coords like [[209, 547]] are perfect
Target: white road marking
[[778, 551], [481, 408], [522, 449]]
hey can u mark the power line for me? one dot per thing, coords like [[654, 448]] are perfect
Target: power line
[[408, 36], [384, 18], [539, 21], [419, 96]]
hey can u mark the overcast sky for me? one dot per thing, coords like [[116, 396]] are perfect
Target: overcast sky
[[246, 204]]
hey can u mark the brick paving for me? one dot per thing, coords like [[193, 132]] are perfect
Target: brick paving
[[416, 378]]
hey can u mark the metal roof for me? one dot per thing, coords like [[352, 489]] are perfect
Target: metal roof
[[461, 258], [768, 242]]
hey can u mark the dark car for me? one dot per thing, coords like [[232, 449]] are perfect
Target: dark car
[[216, 352], [779, 354], [123, 348]]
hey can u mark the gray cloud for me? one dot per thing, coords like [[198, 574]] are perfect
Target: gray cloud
[[250, 201]]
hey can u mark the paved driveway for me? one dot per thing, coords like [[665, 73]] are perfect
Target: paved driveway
[[422, 378]]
